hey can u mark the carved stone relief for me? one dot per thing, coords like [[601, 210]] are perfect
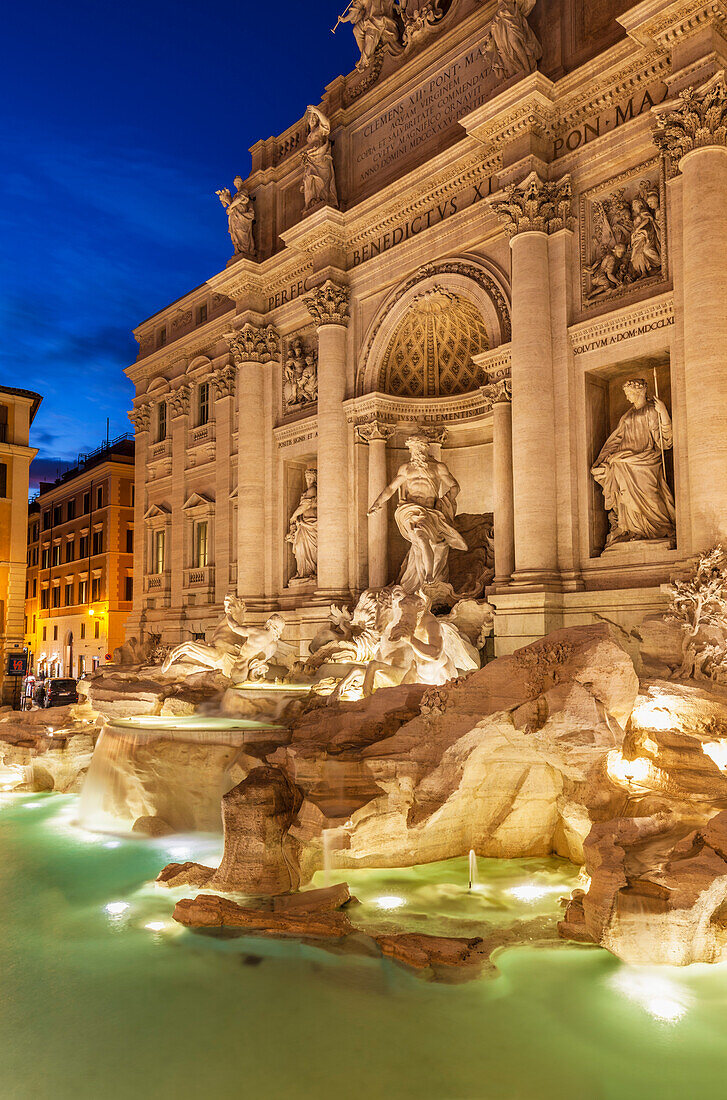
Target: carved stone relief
[[623, 234], [300, 375]]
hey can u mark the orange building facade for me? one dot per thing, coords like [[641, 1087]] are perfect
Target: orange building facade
[[80, 552]]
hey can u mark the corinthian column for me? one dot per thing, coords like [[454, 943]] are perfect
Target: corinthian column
[[328, 306], [504, 519], [178, 406], [532, 211], [692, 131], [223, 385], [377, 435], [251, 347], [140, 417]]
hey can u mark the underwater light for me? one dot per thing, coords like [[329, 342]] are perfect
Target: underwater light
[[657, 995], [529, 892], [155, 926], [717, 751], [390, 901], [116, 908], [112, 844]]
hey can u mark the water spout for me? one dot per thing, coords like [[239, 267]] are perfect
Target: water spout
[[473, 868]]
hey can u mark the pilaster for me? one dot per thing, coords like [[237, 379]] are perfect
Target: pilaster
[[377, 435]]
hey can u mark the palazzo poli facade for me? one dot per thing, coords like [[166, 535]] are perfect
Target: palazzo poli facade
[[502, 215]]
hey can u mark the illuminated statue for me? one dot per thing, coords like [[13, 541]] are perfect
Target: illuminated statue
[[319, 177], [240, 218], [511, 44], [238, 650], [373, 26], [303, 533]]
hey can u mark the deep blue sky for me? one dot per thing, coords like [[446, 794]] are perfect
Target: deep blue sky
[[119, 122]]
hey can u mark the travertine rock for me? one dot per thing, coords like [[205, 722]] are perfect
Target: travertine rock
[[176, 875], [257, 814], [212, 911]]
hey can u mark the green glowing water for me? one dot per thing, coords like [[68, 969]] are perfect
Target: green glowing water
[[95, 1005]]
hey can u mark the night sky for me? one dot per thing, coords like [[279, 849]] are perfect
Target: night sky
[[120, 121]]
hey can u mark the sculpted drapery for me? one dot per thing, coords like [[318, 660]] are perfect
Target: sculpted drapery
[[630, 471], [303, 533]]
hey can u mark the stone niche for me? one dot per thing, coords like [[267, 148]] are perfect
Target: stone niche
[[606, 403], [294, 485]]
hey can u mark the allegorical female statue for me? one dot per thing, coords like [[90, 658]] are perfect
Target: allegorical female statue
[[373, 25], [303, 533], [424, 515], [240, 218], [319, 176], [630, 470], [511, 43]]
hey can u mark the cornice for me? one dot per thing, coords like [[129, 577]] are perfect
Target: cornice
[[300, 431], [425, 412], [622, 323], [655, 23]]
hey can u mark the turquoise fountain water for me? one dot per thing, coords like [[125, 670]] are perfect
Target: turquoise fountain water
[[102, 996]]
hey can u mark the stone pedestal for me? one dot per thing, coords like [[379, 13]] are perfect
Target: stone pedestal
[[328, 305]]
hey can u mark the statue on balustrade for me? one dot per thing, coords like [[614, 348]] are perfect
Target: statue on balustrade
[[319, 176], [240, 651], [240, 218], [303, 533], [373, 25], [632, 472], [511, 44], [424, 515]]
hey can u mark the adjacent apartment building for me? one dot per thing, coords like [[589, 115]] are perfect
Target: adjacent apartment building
[[80, 552], [17, 412]]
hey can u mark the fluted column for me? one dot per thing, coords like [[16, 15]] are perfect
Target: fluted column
[[532, 211], [178, 406], [504, 512], [692, 131], [252, 347], [377, 435], [223, 387], [140, 417], [328, 305]]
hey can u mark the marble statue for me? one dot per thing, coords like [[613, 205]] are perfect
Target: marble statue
[[319, 177], [630, 470], [238, 650], [424, 515], [240, 218], [300, 377], [303, 533], [511, 45], [373, 26], [626, 244]]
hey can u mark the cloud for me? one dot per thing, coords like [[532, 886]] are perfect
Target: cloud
[[47, 469]]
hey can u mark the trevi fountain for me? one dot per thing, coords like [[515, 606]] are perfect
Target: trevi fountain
[[413, 786]]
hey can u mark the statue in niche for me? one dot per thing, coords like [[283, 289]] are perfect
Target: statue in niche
[[427, 506], [300, 377], [627, 241], [303, 533], [373, 26], [511, 45], [319, 177], [240, 218], [238, 650], [631, 471]]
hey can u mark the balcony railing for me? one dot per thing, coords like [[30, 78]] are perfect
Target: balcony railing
[[158, 584], [160, 450], [204, 433], [200, 579]]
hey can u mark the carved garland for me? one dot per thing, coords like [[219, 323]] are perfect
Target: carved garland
[[435, 269]]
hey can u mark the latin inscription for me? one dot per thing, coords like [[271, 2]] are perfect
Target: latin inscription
[[610, 120], [627, 334], [433, 107], [288, 295]]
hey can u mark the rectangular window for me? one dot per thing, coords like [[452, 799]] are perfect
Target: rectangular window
[[159, 538], [202, 314], [99, 497], [46, 521], [25, 624], [35, 587], [71, 510], [83, 631], [83, 591], [56, 600], [57, 554], [81, 664], [97, 629], [36, 532], [95, 589], [44, 598], [45, 632], [83, 547], [55, 633], [57, 515], [98, 542], [129, 589], [162, 336], [70, 551], [133, 494], [27, 589], [161, 422], [86, 503], [69, 595], [45, 562], [200, 544], [35, 555], [3, 479], [130, 540], [35, 619], [3, 423], [204, 403]]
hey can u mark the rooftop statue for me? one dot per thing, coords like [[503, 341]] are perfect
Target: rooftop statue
[[424, 515], [239, 650], [511, 44], [240, 218], [373, 26], [303, 533], [319, 177], [631, 470]]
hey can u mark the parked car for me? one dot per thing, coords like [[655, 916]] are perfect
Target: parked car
[[56, 693]]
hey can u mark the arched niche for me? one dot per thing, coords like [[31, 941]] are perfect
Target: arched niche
[[461, 306]]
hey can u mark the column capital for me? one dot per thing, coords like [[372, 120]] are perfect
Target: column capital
[[224, 381], [140, 417], [253, 344], [178, 401], [536, 206], [374, 430], [328, 304], [500, 392], [695, 119]]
